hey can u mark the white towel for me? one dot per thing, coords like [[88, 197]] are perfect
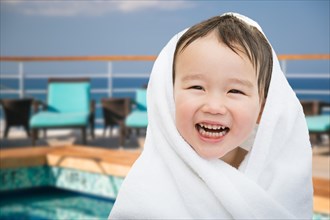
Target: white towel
[[171, 181]]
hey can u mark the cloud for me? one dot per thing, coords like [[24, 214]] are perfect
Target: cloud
[[90, 8]]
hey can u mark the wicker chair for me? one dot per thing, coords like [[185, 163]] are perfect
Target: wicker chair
[[114, 112], [17, 113]]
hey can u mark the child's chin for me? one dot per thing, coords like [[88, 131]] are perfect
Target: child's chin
[[210, 155]]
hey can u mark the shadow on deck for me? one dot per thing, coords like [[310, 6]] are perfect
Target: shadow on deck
[[18, 139]]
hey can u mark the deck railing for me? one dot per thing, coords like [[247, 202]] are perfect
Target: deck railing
[[110, 75]]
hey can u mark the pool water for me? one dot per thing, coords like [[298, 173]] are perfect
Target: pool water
[[320, 216], [48, 203]]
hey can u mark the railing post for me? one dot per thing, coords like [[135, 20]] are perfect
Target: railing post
[[21, 79], [110, 88], [283, 66]]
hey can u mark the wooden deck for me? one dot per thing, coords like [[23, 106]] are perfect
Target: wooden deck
[[91, 159], [321, 179], [118, 162]]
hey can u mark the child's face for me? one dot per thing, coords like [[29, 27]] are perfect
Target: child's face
[[216, 97]]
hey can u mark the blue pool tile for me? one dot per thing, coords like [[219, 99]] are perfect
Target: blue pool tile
[[18, 178], [72, 179]]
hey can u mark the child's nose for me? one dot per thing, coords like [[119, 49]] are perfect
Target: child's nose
[[215, 105]]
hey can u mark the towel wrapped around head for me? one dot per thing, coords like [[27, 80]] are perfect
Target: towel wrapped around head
[[171, 181]]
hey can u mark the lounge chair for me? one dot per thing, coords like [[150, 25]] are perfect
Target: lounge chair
[[318, 123], [68, 105], [138, 118]]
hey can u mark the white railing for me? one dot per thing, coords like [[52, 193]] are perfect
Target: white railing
[[110, 90]]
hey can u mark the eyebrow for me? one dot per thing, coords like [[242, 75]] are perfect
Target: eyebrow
[[242, 82], [245, 83], [193, 77]]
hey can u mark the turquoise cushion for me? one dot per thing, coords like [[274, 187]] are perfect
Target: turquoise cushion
[[53, 119], [141, 99], [318, 123], [69, 97], [137, 119]]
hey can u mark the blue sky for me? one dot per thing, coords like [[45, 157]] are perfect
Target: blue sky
[[51, 28]]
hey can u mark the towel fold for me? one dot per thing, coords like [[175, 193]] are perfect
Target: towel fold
[[171, 181]]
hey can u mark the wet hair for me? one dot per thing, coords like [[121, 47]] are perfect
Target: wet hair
[[239, 37]]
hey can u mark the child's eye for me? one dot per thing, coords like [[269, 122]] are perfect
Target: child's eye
[[196, 87], [235, 91]]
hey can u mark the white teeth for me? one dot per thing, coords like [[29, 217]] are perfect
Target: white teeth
[[213, 127], [211, 134]]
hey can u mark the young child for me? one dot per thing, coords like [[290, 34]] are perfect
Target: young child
[[210, 87]]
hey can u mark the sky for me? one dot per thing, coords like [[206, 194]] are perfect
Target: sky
[[73, 27]]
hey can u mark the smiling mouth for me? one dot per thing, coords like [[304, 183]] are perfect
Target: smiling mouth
[[211, 131]]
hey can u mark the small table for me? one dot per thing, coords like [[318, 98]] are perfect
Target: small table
[[115, 111], [17, 113]]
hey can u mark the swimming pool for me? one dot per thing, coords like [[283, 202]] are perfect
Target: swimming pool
[[52, 192], [45, 203], [48, 203], [46, 192], [60, 177]]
